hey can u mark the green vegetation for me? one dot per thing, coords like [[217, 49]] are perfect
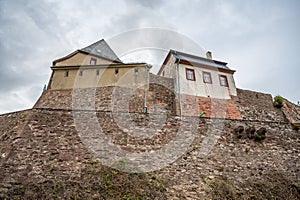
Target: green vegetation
[[268, 186], [94, 182], [278, 101], [258, 137]]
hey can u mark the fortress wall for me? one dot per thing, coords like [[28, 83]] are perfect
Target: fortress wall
[[257, 106], [291, 112], [248, 105], [163, 81], [116, 99], [49, 150], [212, 108]]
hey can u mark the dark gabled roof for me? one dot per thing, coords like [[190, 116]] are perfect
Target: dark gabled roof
[[101, 49], [199, 60], [98, 49], [196, 60]]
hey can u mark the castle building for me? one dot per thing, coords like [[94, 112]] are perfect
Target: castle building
[[198, 76], [95, 66], [201, 85], [198, 81]]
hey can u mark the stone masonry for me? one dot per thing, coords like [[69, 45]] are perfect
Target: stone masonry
[[245, 140], [43, 145]]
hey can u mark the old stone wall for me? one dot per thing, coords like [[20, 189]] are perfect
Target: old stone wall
[[47, 148], [257, 106], [116, 99], [292, 113], [160, 97], [163, 81]]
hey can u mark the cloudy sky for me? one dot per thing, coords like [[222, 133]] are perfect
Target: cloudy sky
[[258, 38]]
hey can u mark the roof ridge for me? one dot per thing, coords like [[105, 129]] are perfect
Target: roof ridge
[[198, 57], [102, 49], [94, 43]]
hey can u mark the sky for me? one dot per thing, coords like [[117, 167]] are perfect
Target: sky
[[258, 38]]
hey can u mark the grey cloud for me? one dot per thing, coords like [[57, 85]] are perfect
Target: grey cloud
[[145, 3], [258, 39]]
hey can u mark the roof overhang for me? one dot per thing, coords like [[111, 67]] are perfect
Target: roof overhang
[[75, 67], [204, 62], [80, 51], [184, 62]]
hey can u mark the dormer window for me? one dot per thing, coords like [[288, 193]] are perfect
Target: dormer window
[[207, 77], [223, 80], [93, 61], [190, 74]]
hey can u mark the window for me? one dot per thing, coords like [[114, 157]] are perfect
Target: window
[[80, 73], [97, 72], [207, 77], [190, 74], [116, 71], [66, 74], [223, 80], [93, 61], [136, 70]]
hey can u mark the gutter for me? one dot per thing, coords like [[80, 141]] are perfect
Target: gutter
[[147, 67], [178, 87]]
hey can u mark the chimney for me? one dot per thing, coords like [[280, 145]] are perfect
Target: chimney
[[209, 55]]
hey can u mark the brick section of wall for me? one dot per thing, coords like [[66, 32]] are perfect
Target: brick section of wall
[[257, 106], [213, 108]]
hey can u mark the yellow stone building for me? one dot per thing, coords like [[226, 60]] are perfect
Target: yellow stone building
[[96, 66]]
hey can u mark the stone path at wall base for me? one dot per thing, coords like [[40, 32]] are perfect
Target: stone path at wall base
[[42, 148]]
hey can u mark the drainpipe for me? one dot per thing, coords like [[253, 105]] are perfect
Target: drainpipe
[[147, 67], [178, 87]]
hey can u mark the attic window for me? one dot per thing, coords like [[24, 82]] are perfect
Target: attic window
[[190, 74], [66, 74], [80, 72], [116, 71], [97, 72], [207, 77], [223, 80], [93, 61]]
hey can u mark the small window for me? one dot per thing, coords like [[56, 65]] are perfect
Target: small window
[[136, 70], [97, 72], [116, 71], [93, 61], [223, 80], [80, 73], [66, 74], [207, 77], [190, 74]]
